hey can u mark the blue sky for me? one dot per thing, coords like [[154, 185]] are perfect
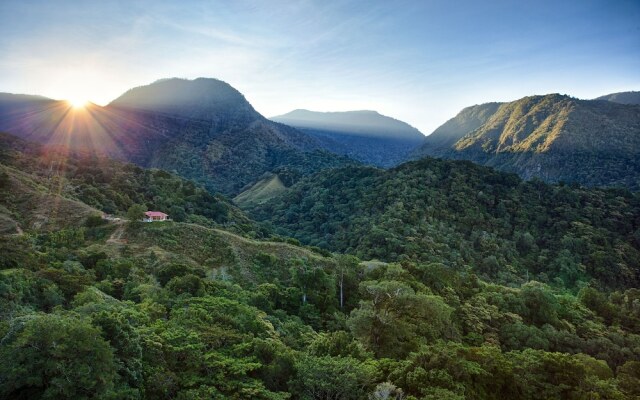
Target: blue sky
[[418, 61]]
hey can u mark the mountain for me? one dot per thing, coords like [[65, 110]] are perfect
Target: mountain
[[202, 129], [366, 136], [95, 308], [467, 217], [622, 97], [469, 119], [202, 98], [552, 137]]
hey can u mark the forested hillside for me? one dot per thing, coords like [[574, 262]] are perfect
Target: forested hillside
[[37, 181], [499, 288], [554, 137], [175, 310], [467, 217]]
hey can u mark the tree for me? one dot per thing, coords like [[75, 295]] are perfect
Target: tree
[[126, 343], [177, 213], [55, 356], [393, 319], [136, 212], [346, 270], [629, 378], [541, 304], [339, 378], [387, 391]]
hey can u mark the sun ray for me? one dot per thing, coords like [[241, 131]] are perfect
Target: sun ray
[[78, 102]]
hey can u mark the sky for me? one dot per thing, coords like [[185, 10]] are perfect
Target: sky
[[417, 61]]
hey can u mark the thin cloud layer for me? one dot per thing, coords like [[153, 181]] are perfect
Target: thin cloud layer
[[417, 61]]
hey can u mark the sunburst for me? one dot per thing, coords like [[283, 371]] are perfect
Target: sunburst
[[78, 102]]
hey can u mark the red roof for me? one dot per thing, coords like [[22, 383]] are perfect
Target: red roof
[[155, 214]]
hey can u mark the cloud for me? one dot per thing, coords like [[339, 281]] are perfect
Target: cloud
[[417, 61]]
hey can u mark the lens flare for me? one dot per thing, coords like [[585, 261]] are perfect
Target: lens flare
[[78, 102]]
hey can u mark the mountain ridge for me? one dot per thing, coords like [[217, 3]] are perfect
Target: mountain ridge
[[553, 137], [202, 129], [630, 97], [365, 135]]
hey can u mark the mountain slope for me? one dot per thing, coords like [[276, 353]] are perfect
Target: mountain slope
[[97, 309], [202, 129], [467, 217], [552, 137], [622, 97], [47, 189], [29, 203], [364, 135], [445, 136], [262, 191]]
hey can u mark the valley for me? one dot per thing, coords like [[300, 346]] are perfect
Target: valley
[[288, 270]]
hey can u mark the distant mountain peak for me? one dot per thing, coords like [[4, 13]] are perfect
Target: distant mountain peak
[[358, 122], [365, 135], [622, 97], [201, 98]]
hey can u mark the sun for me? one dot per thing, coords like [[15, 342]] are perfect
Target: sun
[[78, 102]]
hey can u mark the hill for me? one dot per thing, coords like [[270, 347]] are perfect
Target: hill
[[48, 189], [262, 191], [466, 217], [553, 137], [201, 129], [622, 97], [366, 136], [98, 309]]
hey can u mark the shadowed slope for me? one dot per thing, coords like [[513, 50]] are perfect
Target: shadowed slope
[[364, 135], [201, 129]]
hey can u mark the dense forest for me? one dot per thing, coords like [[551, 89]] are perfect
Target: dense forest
[[176, 310], [467, 217], [484, 286]]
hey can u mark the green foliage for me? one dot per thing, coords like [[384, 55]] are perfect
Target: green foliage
[[94, 221], [393, 320], [486, 372], [53, 356], [339, 378], [629, 378], [464, 216], [499, 289], [135, 213]]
